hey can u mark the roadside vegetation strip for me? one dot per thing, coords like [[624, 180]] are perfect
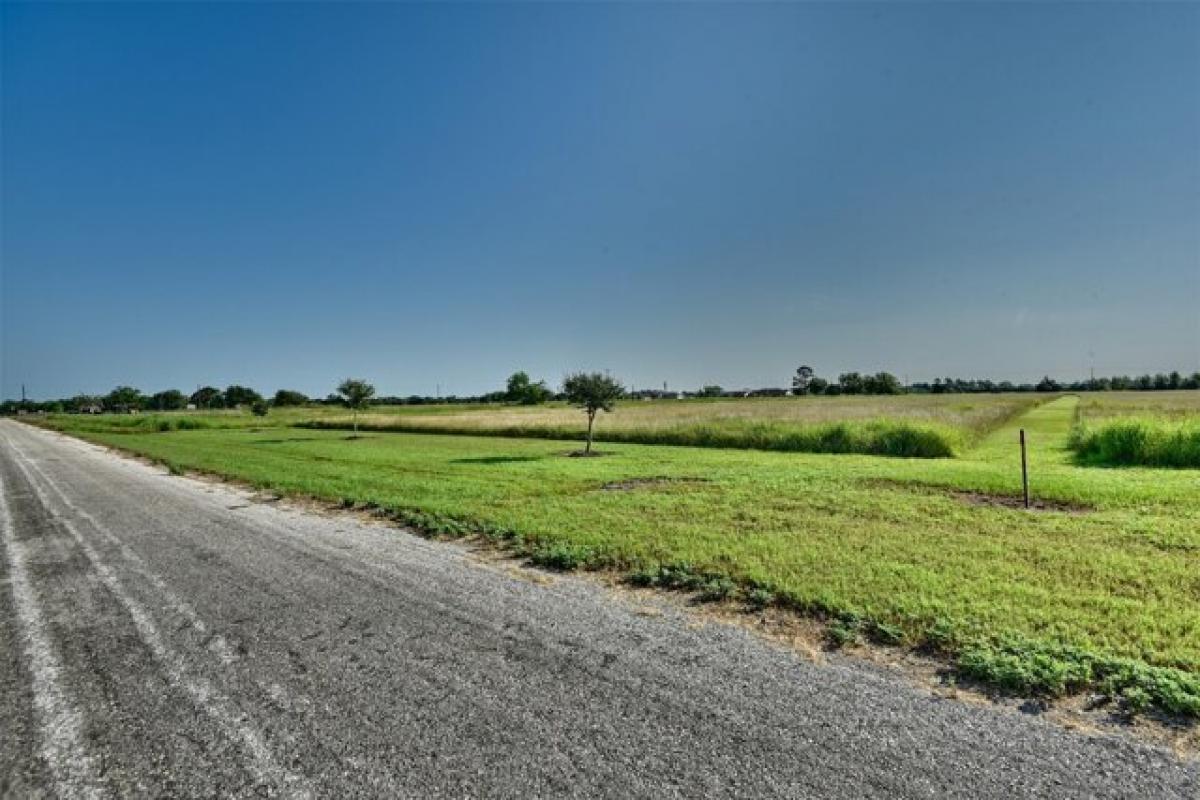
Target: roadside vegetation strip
[[1050, 602]]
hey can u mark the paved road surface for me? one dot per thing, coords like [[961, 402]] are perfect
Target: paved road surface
[[164, 637]]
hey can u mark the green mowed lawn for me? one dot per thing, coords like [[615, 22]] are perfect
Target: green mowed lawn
[[917, 548]]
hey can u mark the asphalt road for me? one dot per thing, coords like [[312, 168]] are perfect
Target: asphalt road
[[161, 636]]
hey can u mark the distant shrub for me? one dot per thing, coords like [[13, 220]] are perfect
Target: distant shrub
[[259, 408], [520, 389], [1138, 441], [289, 397]]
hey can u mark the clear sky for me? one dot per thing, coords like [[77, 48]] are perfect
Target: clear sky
[[283, 195]]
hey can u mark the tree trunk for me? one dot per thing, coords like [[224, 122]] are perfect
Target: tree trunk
[[356, 423], [591, 419]]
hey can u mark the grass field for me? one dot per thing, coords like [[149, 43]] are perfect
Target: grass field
[[928, 426], [1158, 429], [1176, 405], [1100, 590]]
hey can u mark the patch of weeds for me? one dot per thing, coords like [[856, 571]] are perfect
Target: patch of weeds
[[1136, 699], [883, 633], [562, 557], [643, 576], [434, 524], [759, 598], [941, 638], [682, 576], [1022, 666], [1023, 670], [667, 576], [842, 633], [716, 589]]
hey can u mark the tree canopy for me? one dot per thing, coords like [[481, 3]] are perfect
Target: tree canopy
[[168, 400], [123, 398], [593, 392], [356, 394], [290, 397], [207, 397], [241, 396], [520, 389]]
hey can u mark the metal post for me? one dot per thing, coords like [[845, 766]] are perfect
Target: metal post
[[1024, 470]]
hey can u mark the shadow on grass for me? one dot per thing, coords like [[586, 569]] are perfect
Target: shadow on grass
[[496, 459], [286, 441]]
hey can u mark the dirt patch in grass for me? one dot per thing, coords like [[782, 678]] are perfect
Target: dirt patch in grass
[[985, 500], [633, 484], [979, 499]]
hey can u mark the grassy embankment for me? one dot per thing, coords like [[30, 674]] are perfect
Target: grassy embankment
[[1155, 429], [905, 426], [1103, 595]]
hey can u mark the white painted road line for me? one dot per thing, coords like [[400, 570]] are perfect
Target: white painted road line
[[204, 695], [71, 767]]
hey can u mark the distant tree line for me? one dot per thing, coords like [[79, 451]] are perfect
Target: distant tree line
[[1115, 383], [127, 399], [520, 389]]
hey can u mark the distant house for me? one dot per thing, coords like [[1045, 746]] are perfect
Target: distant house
[[92, 409], [656, 394]]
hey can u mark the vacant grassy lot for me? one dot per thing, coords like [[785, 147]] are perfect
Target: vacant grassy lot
[[1177, 405], [928, 426], [1101, 589], [1159, 429]]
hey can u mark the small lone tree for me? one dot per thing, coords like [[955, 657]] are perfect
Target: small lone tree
[[802, 380], [259, 408], [355, 394], [592, 391]]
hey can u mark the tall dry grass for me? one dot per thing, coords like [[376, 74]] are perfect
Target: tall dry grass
[[921, 426]]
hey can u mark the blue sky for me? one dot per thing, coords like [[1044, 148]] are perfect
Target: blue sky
[[283, 195]]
